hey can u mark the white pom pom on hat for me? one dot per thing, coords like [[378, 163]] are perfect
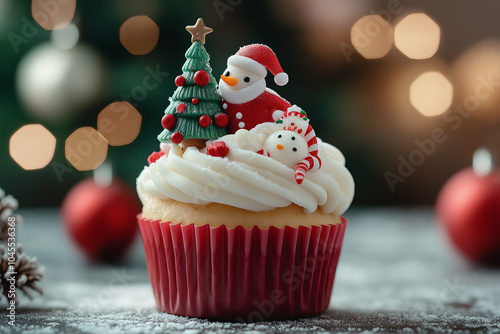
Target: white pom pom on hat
[[281, 79], [259, 58]]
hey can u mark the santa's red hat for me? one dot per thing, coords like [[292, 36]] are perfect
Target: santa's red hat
[[259, 58]]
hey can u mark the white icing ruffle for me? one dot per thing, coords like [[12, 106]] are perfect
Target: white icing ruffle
[[248, 180]]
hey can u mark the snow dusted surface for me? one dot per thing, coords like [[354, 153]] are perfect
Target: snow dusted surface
[[397, 274]]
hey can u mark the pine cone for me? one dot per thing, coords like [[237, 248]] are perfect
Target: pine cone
[[8, 205], [28, 273]]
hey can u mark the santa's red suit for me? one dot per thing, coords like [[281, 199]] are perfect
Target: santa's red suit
[[259, 110]]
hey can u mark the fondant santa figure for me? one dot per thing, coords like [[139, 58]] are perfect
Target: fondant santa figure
[[246, 99]]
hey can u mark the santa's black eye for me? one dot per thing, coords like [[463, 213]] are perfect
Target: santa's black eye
[[293, 138], [279, 136], [246, 79], [227, 74], [294, 149]]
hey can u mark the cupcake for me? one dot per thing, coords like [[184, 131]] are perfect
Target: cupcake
[[243, 226]]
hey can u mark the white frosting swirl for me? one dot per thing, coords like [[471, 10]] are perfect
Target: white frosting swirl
[[248, 180]]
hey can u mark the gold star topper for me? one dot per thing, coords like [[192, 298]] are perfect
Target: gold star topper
[[198, 31]]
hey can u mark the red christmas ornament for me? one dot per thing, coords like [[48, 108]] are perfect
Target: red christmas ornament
[[180, 81], [468, 208], [204, 120], [168, 121], [201, 78], [194, 101], [101, 220], [180, 108], [221, 120], [176, 137]]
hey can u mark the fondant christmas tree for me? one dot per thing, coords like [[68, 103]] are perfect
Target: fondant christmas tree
[[194, 114]]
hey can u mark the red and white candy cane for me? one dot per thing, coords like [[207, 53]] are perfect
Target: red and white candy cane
[[312, 162]]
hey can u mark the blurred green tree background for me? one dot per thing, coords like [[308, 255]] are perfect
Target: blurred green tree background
[[354, 103]]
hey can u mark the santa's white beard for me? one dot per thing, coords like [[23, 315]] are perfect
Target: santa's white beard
[[242, 95]]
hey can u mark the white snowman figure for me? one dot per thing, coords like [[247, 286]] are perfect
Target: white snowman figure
[[245, 97], [290, 140], [287, 147]]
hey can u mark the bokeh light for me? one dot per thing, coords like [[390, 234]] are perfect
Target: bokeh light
[[86, 149], [65, 38], [476, 73], [55, 84], [482, 162], [32, 146], [431, 93], [139, 35], [417, 36], [51, 15], [372, 36], [320, 28], [119, 123]]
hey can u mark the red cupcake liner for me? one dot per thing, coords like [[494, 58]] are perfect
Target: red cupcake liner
[[241, 274]]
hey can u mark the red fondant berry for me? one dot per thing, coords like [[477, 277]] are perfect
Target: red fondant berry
[[221, 120], [180, 81], [155, 156], [204, 120], [217, 149], [180, 108], [176, 137], [168, 121], [194, 101], [201, 78]]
